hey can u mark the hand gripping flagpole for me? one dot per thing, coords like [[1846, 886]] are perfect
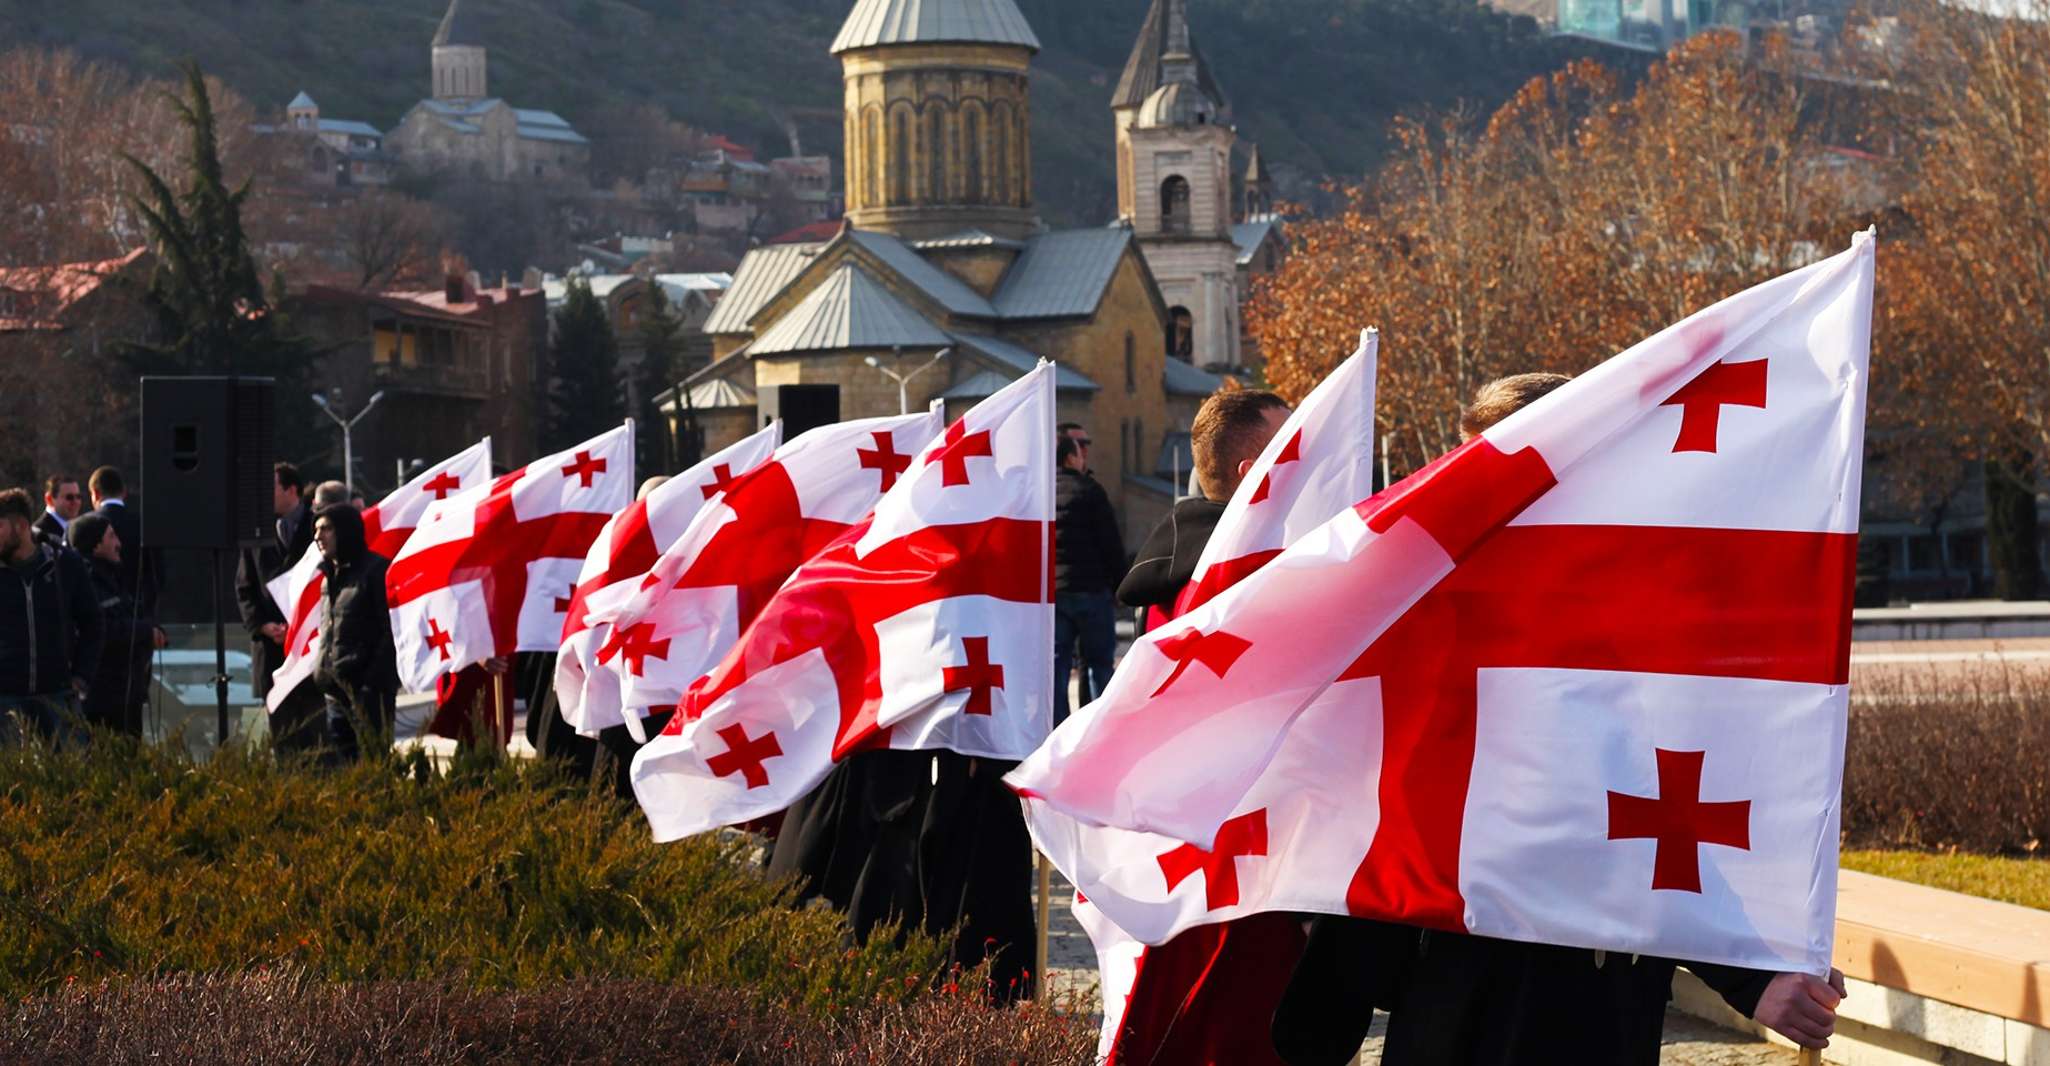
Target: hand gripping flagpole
[[1040, 987]]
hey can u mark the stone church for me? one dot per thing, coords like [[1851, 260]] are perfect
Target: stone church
[[943, 273], [463, 130]]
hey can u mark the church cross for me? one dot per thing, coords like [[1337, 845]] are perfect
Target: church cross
[[743, 756], [438, 638], [1243, 836], [442, 485], [584, 468], [1216, 651], [978, 677], [884, 457], [1679, 821], [960, 447], [722, 479], [1702, 400]]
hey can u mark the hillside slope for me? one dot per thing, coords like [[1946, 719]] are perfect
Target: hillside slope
[[1313, 81]]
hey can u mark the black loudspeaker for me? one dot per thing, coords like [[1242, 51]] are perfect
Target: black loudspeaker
[[206, 461], [801, 407]]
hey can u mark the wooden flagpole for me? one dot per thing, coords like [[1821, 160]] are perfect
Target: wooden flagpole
[[1811, 1057], [1041, 987]]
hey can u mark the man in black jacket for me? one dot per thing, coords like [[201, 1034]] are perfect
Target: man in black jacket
[[49, 628], [141, 574], [62, 500], [1461, 1000], [292, 725], [1230, 431], [120, 688], [1088, 561], [358, 671]]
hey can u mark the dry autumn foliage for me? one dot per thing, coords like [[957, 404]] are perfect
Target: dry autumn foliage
[[1581, 217]]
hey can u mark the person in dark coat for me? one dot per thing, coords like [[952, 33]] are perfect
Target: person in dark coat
[[1088, 561], [1455, 999], [358, 670], [49, 629], [1207, 995], [141, 569], [63, 499], [296, 724], [930, 838], [120, 687]]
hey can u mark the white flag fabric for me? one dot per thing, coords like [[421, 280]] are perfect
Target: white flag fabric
[[627, 548], [386, 526], [739, 549], [928, 626], [489, 571], [1582, 681]]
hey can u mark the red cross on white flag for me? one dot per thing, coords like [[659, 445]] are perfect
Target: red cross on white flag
[[1531, 691], [929, 625], [712, 579], [297, 591], [487, 565], [629, 546]]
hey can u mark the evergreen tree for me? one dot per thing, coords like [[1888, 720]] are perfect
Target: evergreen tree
[[583, 383], [661, 369], [213, 314]]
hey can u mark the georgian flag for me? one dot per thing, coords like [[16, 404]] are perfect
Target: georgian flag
[[712, 581], [1319, 463], [489, 572], [624, 552], [1582, 681], [298, 591], [928, 626]]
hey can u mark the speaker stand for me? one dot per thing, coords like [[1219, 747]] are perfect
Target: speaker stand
[[220, 653]]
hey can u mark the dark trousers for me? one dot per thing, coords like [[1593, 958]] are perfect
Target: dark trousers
[[348, 719], [1088, 618]]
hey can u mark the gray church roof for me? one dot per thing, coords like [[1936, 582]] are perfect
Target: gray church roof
[[946, 290], [884, 22], [457, 28], [301, 100], [1184, 379], [1143, 71], [1017, 362], [1062, 274], [850, 309], [760, 278]]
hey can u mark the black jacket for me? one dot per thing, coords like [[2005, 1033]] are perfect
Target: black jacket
[[1459, 1000], [255, 568], [1168, 558], [1088, 552], [122, 680], [48, 530], [49, 624], [141, 572], [357, 658]]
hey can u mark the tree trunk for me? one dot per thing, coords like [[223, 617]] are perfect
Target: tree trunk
[[2011, 536]]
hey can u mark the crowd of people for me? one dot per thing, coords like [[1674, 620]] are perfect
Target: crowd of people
[[77, 609]]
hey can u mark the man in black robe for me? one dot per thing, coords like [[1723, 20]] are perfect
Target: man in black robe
[[1455, 999]]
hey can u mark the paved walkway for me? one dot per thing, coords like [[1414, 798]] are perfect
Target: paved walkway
[[1071, 966]]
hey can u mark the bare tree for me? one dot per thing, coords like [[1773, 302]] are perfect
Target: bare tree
[[388, 239]]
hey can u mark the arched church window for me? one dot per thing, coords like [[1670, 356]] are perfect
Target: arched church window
[[900, 173], [871, 158], [1174, 205], [935, 155], [1181, 334], [971, 152], [1001, 136], [1131, 363]]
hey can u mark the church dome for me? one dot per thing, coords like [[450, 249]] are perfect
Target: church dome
[[1178, 103], [874, 23]]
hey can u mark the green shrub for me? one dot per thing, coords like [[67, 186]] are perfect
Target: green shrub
[[1956, 760], [287, 1017], [131, 860]]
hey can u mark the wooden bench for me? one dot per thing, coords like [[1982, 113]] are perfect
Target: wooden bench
[[1934, 976]]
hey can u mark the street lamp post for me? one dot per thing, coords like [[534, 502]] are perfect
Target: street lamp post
[[348, 446], [904, 380]]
